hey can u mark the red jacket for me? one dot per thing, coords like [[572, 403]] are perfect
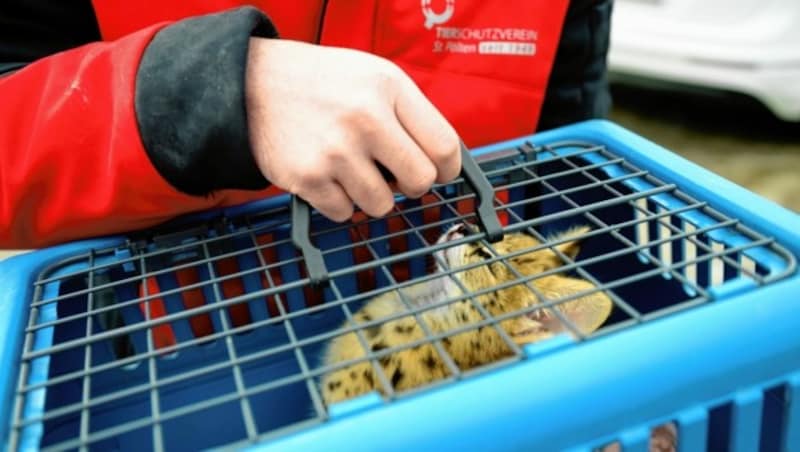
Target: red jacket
[[130, 131]]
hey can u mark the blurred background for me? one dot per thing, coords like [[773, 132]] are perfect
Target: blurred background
[[717, 81]]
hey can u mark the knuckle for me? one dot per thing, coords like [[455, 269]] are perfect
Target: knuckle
[[333, 204], [385, 206], [309, 178], [361, 118], [446, 155], [379, 206], [445, 145], [336, 157], [388, 73], [421, 181], [341, 213]]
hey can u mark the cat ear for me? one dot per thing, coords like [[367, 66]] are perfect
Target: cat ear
[[572, 247], [586, 313]]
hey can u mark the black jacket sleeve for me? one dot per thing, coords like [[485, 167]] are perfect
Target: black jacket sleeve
[[190, 102]]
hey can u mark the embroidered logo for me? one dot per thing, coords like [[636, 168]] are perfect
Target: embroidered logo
[[433, 18]]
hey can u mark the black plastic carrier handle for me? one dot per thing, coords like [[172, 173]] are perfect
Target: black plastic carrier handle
[[470, 171]]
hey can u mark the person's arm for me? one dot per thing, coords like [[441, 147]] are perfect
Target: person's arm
[[116, 136], [111, 137]]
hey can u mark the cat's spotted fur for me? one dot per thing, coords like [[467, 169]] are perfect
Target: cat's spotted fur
[[421, 364]]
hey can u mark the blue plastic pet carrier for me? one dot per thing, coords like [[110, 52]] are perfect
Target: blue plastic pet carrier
[[208, 332]]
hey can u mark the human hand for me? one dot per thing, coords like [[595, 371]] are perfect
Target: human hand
[[321, 117]]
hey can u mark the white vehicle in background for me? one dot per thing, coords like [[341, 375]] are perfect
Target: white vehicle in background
[[751, 47]]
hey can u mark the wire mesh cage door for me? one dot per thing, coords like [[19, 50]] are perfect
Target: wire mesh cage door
[[213, 335]]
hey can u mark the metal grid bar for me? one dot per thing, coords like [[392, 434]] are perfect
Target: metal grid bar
[[168, 250], [665, 225], [87, 363], [707, 210], [24, 370], [473, 300], [362, 341], [298, 314], [304, 368], [614, 232], [386, 386], [303, 282], [211, 240], [234, 360], [158, 434], [606, 229], [429, 335], [244, 403], [536, 292]]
